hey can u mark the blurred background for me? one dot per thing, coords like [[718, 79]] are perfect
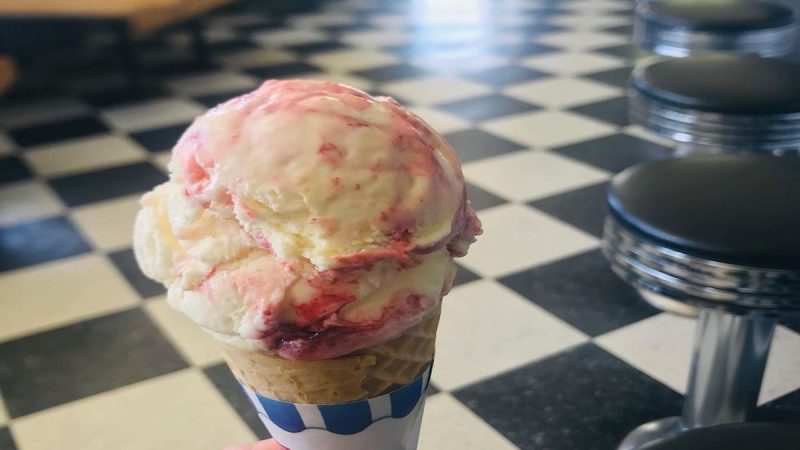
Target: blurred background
[[541, 345]]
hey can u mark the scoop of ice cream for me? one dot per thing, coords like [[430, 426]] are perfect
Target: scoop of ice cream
[[306, 219]]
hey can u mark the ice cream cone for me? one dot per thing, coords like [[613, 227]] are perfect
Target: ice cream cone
[[367, 373]]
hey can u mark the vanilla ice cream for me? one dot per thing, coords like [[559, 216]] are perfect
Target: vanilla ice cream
[[306, 219]]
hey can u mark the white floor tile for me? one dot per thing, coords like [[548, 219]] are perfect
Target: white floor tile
[[375, 39], [321, 20], [596, 6], [561, 92], [3, 412], [152, 114], [27, 200], [573, 62], [439, 120], [454, 64], [350, 80], [547, 128], [517, 237], [212, 83], [582, 39], [638, 131], [108, 224], [513, 332], [529, 175], [783, 366], [79, 155], [432, 90], [661, 346], [352, 60], [162, 160], [276, 38], [388, 21], [30, 305], [177, 411], [589, 21], [6, 144], [34, 113], [234, 20], [255, 57], [195, 345], [448, 424]]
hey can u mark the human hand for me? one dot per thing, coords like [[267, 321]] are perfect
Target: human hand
[[269, 444]]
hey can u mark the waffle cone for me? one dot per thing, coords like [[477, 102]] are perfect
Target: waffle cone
[[366, 373]]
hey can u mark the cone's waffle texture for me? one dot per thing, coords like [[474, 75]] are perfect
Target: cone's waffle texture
[[364, 374]]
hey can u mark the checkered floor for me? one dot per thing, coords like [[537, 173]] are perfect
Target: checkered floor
[[540, 346]]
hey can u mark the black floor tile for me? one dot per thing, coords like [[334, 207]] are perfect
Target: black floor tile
[[347, 27], [487, 107], [105, 184], [423, 48], [160, 139], [231, 45], [392, 72], [6, 440], [225, 382], [581, 399], [472, 144], [522, 49], [583, 208], [464, 275], [536, 28], [627, 12], [125, 262], [282, 70], [56, 131], [583, 291], [257, 27], [181, 67], [122, 95], [502, 76], [613, 110], [616, 77], [615, 153], [783, 409], [625, 30], [792, 322], [432, 389], [212, 100], [317, 47], [39, 241], [481, 199], [627, 51], [58, 366], [13, 169]]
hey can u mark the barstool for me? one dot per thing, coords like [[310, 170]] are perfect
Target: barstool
[[678, 28], [718, 233], [720, 103], [749, 436]]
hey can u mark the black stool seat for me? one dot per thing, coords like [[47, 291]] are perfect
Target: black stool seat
[[680, 27], [741, 102], [749, 436], [714, 228]]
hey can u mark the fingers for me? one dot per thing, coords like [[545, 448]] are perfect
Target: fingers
[[269, 444]]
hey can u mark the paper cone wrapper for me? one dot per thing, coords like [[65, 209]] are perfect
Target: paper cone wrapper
[[369, 400]]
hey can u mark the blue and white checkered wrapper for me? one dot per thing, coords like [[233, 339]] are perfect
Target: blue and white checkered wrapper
[[389, 422]]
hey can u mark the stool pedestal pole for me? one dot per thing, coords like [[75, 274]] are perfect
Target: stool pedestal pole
[[727, 368]]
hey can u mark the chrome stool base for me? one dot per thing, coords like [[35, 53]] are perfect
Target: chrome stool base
[[652, 432]]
